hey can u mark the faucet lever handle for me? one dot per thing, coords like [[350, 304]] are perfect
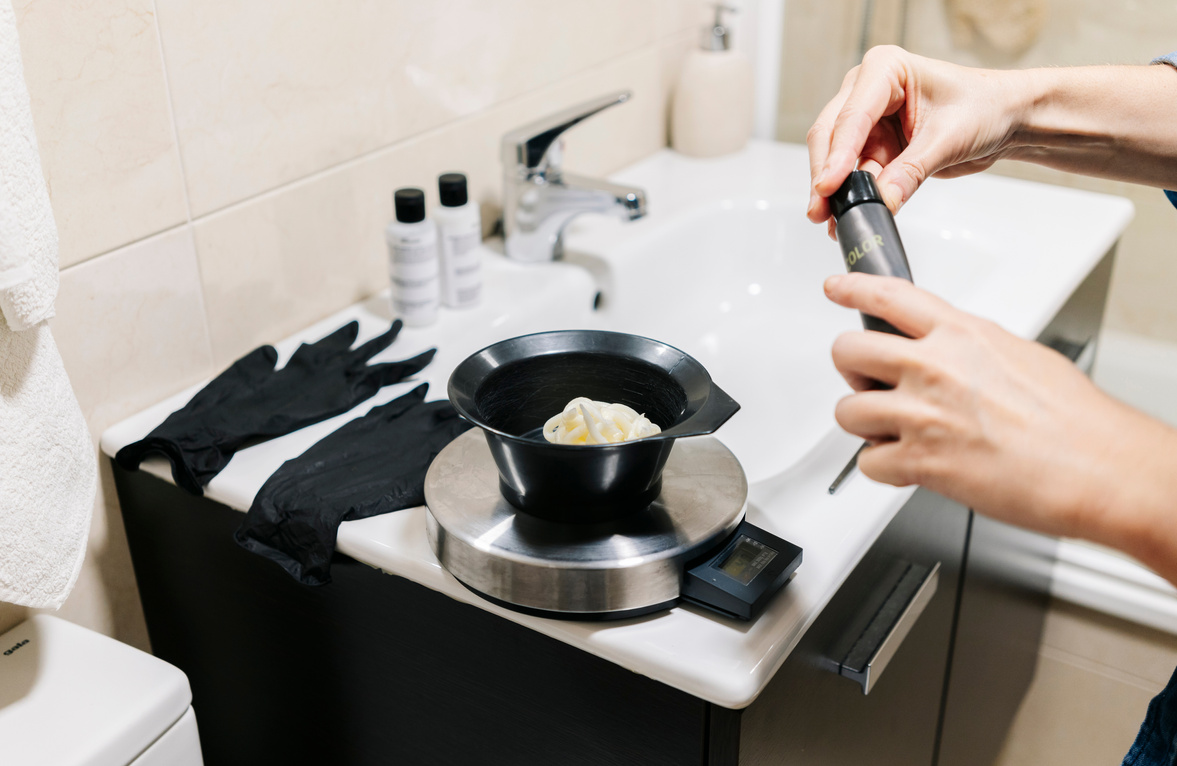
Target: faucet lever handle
[[527, 147]]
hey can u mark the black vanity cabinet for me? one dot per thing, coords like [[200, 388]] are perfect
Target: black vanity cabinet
[[375, 669], [808, 715]]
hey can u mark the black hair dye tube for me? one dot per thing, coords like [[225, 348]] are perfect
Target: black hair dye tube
[[867, 235]]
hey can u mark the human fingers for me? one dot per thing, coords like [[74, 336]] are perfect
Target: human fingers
[[869, 415], [911, 310], [882, 146], [818, 141], [905, 173], [889, 462], [865, 359], [878, 90]]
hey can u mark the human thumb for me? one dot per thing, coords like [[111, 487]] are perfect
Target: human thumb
[[901, 176]]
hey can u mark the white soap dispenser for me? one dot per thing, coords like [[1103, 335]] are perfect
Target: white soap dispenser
[[712, 112]]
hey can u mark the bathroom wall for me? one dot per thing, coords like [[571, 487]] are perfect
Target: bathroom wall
[[221, 172], [1095, 673]]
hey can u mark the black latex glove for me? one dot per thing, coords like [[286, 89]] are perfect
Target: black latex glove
[[372, 465], [251, 401]]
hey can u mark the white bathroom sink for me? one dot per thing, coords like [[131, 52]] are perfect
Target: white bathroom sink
[[736, 281]]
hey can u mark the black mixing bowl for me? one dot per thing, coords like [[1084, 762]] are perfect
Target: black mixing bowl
[[512, 388]]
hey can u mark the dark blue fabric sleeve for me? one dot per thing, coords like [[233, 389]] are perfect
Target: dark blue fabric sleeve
[[1171, 60], [1156, 742]]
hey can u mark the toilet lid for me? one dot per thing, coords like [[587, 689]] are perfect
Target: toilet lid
[[72, 697]]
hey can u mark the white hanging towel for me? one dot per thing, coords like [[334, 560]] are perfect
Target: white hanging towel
[[48, 471]]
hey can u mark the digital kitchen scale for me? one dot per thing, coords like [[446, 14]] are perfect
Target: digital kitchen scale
[[691, 543]]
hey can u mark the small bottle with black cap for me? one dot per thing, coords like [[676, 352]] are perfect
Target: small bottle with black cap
[[867, 235], [459, 232], [412, 260]]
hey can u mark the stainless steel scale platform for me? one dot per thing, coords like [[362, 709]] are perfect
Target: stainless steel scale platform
[[614, 569]]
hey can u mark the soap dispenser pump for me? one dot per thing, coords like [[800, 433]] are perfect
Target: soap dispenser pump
[[712, 112]]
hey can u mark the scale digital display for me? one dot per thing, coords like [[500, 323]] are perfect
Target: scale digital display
[[739, 576], [747, 559]]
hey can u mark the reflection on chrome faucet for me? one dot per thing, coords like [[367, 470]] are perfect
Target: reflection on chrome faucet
[[539, 199]]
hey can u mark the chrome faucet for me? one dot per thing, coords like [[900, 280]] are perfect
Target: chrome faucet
[[539, 199]]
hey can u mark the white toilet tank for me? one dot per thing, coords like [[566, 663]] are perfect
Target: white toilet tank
[[72, 697]]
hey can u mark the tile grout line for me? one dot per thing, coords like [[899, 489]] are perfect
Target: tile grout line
[[1107, 671], [167, 84], [191, 220], [654, 45], [132, 243]]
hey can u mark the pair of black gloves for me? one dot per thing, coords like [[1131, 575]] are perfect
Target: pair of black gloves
[[372, 465]]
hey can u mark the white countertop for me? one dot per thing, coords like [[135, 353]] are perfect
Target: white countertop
[[1063, 231]]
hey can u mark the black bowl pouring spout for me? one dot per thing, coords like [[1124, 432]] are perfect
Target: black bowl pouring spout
[[510, 389]]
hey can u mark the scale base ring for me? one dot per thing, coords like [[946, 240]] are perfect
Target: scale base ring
[[610, 570]]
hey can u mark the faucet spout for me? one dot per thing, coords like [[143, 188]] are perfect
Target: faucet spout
[[539, 199], [541, 212]]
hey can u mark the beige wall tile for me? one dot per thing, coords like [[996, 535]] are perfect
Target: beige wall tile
[[103, 122], [273, 265], [264, 96], [1141, 299], [625, 134], [1072, 715], [821, 44], [1075, 32], [674, 16], [277, 263], [1095, 676], [1146, 654], [884, 23], [105, 597], [130, 327]]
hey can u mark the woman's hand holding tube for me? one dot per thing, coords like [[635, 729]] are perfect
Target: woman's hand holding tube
[[1006, 426], [905, 118]]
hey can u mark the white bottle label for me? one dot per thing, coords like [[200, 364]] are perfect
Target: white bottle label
[[461, 265], [409, 251], [413, 270]]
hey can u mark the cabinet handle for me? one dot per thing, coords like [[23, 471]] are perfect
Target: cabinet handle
[[872, 649]]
